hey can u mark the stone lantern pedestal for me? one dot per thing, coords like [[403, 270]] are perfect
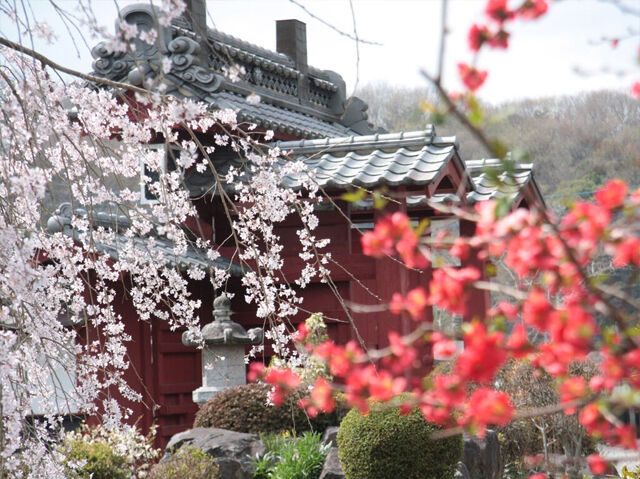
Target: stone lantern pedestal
[[223, 363]]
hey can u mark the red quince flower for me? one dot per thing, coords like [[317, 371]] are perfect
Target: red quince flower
[[487, 406], [572, 389], [536, 310], [612, 194], [478, 35], [500, 39], [403, 356], [449, 390], [593, 420], [625, 436], [508, 310], [414, 303], [572, 325], [302, 333], [635, 90], [256, 371], [460, 248], [471, 77], [408, 250], [539, 476], [443, 347], [627, 252], [373, 244], [590, 220], [482, 355], [283, 377], [447, 289], [383, 386], [532, 9], [518, 342], [597, 464], [283, 382], [321, 396], [498, 10]]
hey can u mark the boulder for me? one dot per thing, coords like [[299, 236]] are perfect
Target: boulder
[[233, 451], [330, 435], [481, 456], [332, 468]]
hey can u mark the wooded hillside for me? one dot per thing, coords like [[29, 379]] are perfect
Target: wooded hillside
[[576, 142]]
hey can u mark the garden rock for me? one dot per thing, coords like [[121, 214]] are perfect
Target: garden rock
[[482, 456], [332, 468], [233, 451], [462, 472]]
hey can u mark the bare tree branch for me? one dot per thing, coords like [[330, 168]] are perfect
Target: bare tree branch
[[56, 66]]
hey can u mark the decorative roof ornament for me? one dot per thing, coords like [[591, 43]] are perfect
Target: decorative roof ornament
[[296, 99]]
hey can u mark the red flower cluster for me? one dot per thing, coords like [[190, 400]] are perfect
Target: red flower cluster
[[485, 407], [471, 77], [481, 34], [449, 286], [560, 305], [394, 231], [320, 400], [483, 354], [414, 303], [499, 13], [283, 381]]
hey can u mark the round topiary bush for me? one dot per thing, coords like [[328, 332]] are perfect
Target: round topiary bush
[[385, 444], [244, 409]]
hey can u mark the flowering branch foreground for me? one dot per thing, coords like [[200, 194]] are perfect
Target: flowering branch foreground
[[554, 299], [561, 304], [90, 144]]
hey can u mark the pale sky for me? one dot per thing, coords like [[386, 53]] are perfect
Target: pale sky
[[541, 60]]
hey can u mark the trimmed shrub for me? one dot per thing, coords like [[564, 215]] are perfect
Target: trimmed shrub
[[187, 462], [244, 409], [385, 444]]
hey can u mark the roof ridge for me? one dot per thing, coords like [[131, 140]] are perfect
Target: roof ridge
[[402, 139], [481, 164]]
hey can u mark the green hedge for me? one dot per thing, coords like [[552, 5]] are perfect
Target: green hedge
[[385, 444], [244, 409]]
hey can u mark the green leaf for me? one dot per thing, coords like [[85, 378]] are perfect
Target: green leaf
[[353, 196], [438, 118], [503, 207], [609, 335], [491, 270], [422, 226], [499, 148], [379, 201]]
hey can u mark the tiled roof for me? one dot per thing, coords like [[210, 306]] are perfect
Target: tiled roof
[[277, 118], [193, 258], [413, 201], [414, 158], [510, 183]]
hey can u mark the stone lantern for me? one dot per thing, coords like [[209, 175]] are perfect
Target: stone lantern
[[223, 363]]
